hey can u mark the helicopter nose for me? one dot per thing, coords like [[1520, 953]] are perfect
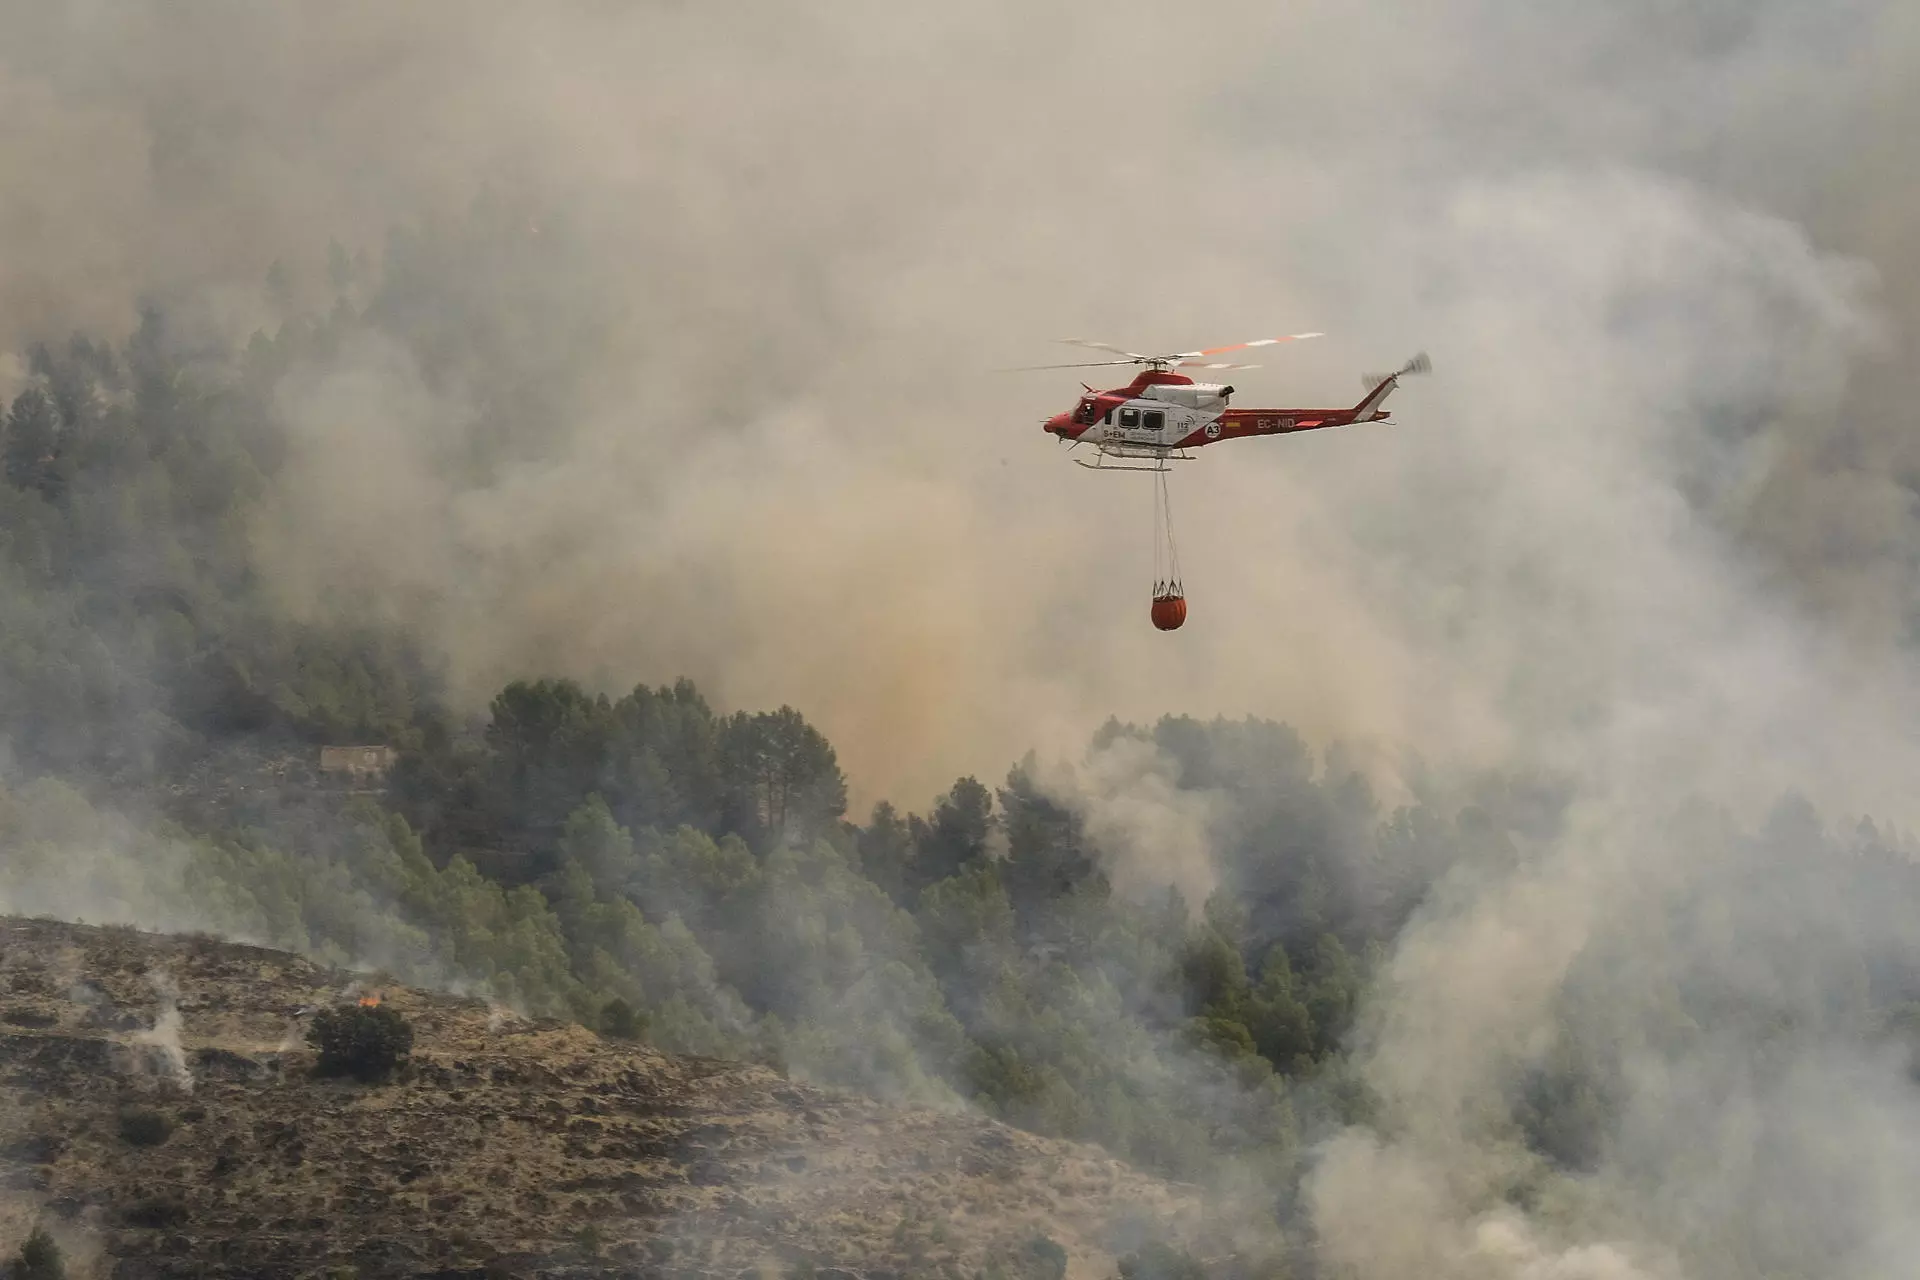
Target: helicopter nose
[[1057, 424]]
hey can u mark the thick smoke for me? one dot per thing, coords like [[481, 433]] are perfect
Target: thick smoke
[[1650, 526], [1151, 831], [764, 275]]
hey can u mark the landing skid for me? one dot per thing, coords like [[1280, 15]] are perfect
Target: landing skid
[[1158, 458]]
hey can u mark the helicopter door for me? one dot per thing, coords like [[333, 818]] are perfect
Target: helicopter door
[[1142, 426]]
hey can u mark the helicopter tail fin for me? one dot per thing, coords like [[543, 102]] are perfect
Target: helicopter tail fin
[[1380, 386]]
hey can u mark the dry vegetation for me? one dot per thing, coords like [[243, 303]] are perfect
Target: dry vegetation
[[507, 1146]]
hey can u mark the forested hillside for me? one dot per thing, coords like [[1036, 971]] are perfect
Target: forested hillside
[[642, 862], [659, 868]]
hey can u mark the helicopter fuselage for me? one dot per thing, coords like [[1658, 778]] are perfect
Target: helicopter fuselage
[[1163, 411]]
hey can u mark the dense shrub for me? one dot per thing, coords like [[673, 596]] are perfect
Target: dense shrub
[[156, 1213], [618, 1021], [1043, 1259], [39, 1259], [359, 1041], [144, 1127], [1161, 1262]]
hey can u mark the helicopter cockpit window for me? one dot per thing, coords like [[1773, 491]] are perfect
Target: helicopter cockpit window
[[1129, 418], [1085, 413]]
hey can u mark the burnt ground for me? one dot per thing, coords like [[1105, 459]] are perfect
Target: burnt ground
[[508, 1148]]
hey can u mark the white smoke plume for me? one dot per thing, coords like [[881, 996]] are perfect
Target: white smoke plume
[[293, 1038], [1152, 833], [758, 309], [1651, 525], [166, 1057]]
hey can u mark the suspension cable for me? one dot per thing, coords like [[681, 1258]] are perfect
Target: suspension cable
[[1173, 551], [1159, 579], [1166, 554]]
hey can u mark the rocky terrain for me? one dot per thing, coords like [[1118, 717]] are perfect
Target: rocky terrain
[[508, 1148]]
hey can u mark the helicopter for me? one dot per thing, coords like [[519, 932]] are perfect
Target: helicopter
[[1162, 414]]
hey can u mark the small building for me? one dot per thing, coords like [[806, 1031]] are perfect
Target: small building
[[358, 763]]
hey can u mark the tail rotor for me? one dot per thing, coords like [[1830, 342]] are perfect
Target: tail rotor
[[1419, 364]]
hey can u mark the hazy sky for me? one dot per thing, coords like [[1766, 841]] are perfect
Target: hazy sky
[[1651, 247]]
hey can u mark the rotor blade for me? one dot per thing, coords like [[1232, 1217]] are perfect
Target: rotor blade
[[1194, 364], [1104, 346], [1419, 364], [1091, 364], [1257, 342]]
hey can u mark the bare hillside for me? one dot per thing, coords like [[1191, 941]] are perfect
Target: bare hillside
[[509, 1147]]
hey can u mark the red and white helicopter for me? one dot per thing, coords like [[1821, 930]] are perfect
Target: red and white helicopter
[[1162, 414]]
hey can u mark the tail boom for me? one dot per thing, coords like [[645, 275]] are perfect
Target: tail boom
[[1236, 423]]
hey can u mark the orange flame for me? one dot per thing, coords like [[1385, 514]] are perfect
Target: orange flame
[[370, 1002]]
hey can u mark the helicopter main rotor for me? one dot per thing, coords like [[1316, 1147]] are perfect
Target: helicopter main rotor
[[1175, 360]]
